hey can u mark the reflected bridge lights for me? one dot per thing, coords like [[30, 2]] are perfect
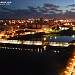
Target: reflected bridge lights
[[44, 39], [44, 47], [56, 51], [38, 50]]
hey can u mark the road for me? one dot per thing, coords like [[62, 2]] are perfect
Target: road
[[70, 67]]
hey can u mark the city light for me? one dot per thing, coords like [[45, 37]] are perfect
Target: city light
[[37, 37]]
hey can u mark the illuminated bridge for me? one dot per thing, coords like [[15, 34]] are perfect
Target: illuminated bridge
[[43, 43], [33, 46]]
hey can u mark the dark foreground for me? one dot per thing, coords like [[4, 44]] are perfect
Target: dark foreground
[[21, 62]]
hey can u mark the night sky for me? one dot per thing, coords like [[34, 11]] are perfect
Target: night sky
[[23, 9]]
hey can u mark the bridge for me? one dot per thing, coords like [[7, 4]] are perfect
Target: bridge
[[43, 43], [70, 67]]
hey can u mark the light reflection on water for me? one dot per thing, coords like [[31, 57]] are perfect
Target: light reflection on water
[[51, 58]]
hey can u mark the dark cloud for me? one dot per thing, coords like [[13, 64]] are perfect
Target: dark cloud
[[31, 7], [56, 10], [42, 10], [7, 9], [73, 9], [50, 5], [5, 13], [32, 10], [47, 10], [52, 12], [72, 5]]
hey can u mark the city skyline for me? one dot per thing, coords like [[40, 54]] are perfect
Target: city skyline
[[34, 9], [37, 37]]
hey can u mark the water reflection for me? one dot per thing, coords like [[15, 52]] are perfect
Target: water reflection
[[60, 38], [52, 60]]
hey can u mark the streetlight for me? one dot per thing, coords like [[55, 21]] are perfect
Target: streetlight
[[67, 67]]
